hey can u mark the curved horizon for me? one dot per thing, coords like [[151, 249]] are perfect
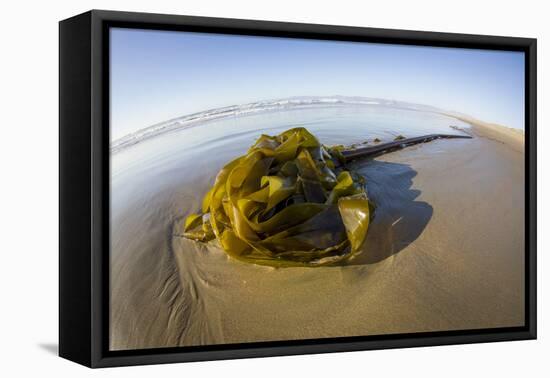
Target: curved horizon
[[159, 75], [275, 104]]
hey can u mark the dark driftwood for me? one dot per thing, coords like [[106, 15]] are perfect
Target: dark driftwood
[[371, 151]]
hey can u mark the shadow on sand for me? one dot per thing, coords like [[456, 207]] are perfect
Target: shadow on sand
[[399, 218]]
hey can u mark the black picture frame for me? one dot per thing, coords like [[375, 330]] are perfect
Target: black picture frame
[[84, 188]]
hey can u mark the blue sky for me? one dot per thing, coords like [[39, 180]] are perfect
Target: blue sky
[[159, 75]]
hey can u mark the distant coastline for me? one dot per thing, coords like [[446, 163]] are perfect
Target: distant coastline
[[515, 138], [507, 134], [299, 102]]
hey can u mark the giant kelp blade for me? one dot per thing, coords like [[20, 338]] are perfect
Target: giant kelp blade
[[285, 203], [355, 212]]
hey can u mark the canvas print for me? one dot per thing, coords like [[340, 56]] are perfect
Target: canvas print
[[268, 189]]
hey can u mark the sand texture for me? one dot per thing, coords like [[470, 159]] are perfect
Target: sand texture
[[445, 252]]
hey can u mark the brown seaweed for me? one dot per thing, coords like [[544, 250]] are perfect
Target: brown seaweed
[[287, 202]]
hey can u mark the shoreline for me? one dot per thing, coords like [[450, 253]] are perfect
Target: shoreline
[[514, 138]]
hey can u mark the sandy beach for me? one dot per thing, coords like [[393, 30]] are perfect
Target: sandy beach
[[445, 251]]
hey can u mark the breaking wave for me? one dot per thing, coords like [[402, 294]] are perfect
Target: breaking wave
[[291, 103]]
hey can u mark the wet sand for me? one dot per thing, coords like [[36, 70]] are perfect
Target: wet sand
[[445, 252]]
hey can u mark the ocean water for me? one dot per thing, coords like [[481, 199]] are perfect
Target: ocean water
[[206, 142]]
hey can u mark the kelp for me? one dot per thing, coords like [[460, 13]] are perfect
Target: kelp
[[288, 201]]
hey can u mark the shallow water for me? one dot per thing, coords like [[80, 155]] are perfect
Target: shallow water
[[203, 149]]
